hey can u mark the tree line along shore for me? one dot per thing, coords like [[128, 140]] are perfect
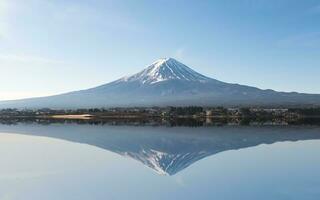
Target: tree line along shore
[[165, 112]]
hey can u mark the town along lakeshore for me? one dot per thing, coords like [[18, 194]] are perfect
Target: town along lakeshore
[[172, 116]]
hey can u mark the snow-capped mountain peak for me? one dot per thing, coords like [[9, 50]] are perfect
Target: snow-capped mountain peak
[[166, 69], [167, 82]]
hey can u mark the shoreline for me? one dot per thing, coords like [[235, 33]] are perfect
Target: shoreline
[[187, 121]]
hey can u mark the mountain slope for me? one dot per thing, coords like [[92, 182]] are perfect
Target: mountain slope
[[167, 82]]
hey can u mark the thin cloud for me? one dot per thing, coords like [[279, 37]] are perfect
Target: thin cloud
[[84, 14], [4, 12], [264, 4], [315, 10], [307, 40], [28, 59], [179, 53]]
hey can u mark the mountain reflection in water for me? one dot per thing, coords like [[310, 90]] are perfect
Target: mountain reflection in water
[[167, 150]]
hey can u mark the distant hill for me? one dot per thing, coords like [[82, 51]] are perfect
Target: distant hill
[[167, 82]]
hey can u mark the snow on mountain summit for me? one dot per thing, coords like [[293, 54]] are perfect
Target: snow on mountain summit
[[166, 69]]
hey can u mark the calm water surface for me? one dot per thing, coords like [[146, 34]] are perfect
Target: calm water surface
[[75, 162]]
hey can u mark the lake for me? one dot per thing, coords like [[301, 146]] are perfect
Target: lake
[[86, 161]]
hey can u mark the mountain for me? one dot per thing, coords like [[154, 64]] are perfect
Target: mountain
[[167, 82], [167, 151]]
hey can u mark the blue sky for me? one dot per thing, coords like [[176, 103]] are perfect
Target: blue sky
[[54, 46]]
